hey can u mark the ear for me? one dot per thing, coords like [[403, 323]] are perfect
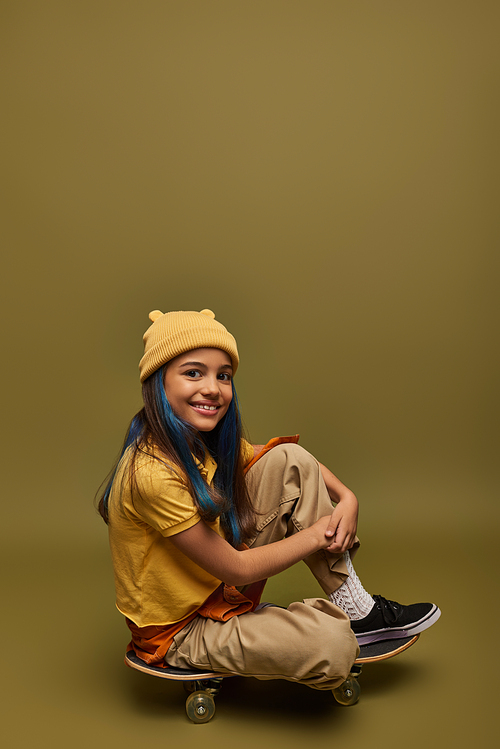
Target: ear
[[155, 314]]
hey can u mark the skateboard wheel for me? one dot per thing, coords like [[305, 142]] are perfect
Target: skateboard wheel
[[348, 692], [200, 707]]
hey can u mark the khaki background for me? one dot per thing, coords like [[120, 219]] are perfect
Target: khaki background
[[324, 175]]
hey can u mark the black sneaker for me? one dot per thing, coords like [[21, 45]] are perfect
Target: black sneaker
[[389, 620]]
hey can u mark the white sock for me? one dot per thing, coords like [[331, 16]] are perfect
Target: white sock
[[351, 597]]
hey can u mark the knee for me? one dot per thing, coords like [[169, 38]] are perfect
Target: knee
[[291, 454]]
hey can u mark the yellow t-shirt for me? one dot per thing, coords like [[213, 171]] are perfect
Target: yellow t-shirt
[[155, 582]]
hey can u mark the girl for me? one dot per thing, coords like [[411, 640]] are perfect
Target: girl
[[199, 519]]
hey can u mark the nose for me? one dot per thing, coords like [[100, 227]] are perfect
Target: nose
[[210, 387]]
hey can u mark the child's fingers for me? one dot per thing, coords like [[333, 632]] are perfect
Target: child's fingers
[[344, 540], [332, 527], [334, 548], [338, 544]]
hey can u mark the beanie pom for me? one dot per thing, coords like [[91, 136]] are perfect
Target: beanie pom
[[208, 313]]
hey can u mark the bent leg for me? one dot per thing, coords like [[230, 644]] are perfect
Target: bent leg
[[289, 494], [310, 642]]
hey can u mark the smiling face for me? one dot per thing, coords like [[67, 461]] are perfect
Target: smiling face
[[198, 385]]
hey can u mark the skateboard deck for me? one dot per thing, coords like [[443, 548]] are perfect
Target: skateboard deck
[[375, 651], [384, 649], [176, 674]]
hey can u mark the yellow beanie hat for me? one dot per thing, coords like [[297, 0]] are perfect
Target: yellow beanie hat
[[174, 333]]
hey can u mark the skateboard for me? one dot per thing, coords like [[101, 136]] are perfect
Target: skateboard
[[203, 686]]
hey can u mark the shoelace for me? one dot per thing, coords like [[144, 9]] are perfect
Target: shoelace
[[390, 610]]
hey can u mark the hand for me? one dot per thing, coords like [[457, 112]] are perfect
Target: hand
[[343, 525]]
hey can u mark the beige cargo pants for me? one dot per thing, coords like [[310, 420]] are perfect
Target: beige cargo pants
[[311, 641]]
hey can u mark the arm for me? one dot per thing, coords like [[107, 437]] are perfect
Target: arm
[[211, 552], [344, 519]]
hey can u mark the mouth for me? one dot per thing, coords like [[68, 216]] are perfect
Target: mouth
[[205, 407]]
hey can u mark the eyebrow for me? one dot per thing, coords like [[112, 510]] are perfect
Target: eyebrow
[[200, 364]]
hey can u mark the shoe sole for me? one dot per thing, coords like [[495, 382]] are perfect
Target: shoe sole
[[392, 633]]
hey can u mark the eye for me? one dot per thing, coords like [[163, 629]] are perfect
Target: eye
[[225, 376], [193, 373]]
